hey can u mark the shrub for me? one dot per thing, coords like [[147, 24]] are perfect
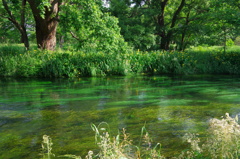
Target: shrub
[[63, 63]]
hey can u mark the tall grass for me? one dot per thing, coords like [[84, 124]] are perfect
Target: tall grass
[[15, 61], [222, 142]]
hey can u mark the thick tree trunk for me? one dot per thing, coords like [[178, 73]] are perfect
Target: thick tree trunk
[[46, 34], [46, 24]]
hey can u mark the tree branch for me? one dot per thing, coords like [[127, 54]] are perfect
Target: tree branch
[[174, 19], [74, 36], [11, 17]]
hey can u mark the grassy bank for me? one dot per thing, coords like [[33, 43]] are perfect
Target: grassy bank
[[16, 62]]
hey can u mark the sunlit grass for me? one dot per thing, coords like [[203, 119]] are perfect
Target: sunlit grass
[[214, 48]]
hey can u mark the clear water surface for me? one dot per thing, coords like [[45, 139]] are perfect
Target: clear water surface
[[64, 109]]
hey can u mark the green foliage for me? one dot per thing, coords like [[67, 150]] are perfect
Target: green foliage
[[92, 29], [8, 33], [15, 61], [229, 42], [144, 25], [136, 24], [43, 6]]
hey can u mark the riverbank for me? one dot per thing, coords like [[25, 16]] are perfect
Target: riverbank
[[17, 62]]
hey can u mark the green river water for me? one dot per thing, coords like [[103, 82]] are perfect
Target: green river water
[[64, 109]]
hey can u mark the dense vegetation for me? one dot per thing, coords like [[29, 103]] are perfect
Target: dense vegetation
[[15, 61], [103, 25], [99, 38], [104, 37]]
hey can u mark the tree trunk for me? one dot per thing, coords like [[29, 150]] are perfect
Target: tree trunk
[[182, 42], [165, 42], [46, 23], [166, 37], [161, 24], [46, 34], [24, 38]]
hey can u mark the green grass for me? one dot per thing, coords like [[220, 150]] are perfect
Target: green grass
[[233, 48], [15, 61]]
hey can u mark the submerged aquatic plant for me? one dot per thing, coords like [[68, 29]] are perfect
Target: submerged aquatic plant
[[117, 147], [222, 142]]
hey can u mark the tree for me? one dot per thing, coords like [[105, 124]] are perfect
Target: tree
[[192, 23], [165, 23], [8, 32], [46, 15], [152, 19], [9, 7], [216, 22], [90, 27], [135, 22]]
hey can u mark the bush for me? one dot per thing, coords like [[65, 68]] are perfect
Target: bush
[[63, 63]]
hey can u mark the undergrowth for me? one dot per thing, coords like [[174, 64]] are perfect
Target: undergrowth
[[15, 61], [222, 142]]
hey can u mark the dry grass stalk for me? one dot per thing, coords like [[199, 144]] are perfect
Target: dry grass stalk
[[222, 142]]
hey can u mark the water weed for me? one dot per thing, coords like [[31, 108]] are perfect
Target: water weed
[[114, 147], [222, 141]]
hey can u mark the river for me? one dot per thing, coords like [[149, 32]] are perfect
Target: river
[[64, 109]]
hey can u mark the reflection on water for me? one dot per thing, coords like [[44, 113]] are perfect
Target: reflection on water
[[65, 108]]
